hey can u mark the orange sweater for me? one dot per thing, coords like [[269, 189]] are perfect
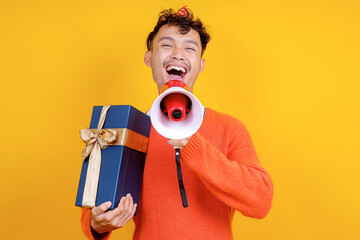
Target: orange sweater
[[221, 174]]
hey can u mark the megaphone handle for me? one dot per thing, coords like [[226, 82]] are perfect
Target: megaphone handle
[[180, 178]]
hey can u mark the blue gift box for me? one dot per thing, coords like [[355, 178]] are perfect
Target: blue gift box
[[122, 167]]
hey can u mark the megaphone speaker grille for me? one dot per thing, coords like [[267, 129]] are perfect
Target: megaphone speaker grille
[[177, 129]]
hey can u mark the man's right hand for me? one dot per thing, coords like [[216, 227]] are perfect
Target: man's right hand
[[108, 221]]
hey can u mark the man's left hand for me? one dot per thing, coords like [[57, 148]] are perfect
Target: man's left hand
[[178, 143]]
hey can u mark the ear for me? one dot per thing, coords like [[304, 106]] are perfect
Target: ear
[[147, 58], [202, 64]]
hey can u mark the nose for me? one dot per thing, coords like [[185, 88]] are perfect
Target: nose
[[178, 54]]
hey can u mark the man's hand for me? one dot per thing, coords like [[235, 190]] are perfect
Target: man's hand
[[179, 143], [103, 221]]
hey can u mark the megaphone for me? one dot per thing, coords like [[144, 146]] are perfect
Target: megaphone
[[176, 113]]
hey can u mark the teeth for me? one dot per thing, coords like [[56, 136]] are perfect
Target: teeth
[[176, 68]]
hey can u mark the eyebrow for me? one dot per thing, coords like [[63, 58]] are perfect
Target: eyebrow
[[166, 38], [173, 40]]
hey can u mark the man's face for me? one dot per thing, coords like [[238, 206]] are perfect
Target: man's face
[[175, 56]]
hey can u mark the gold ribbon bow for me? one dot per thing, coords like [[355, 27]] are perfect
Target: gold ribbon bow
[[94, 143]]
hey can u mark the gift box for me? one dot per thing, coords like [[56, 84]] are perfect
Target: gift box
[[114, 156]]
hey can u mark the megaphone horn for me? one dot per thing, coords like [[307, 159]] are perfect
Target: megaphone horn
[[176, 106], [176, 113]]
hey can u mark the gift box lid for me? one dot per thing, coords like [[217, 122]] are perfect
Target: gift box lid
[[122, 116]]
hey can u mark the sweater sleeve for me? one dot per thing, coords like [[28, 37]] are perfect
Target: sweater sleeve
[[86, 227], [237, 179]]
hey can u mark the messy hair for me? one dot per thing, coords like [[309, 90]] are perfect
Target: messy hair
[[185, 23]]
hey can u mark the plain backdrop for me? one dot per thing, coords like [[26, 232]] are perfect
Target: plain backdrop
[[289, 70]]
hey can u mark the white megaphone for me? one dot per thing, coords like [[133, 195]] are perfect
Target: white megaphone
[[176, 113]]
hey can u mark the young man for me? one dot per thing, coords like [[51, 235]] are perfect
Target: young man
[[220, 168]]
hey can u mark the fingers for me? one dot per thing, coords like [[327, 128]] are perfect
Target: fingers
[[130, 208], [124, 208], [128, 203], [180, 143], [122, 223], [103, 221], [100, 209], [120, 208]]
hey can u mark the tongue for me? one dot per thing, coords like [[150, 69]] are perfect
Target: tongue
[[175, 77]]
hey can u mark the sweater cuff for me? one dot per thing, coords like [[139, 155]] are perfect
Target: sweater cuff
[[99, 236], [192, 147], [88, 230]]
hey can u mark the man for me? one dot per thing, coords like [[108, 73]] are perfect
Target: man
[[220, 168]]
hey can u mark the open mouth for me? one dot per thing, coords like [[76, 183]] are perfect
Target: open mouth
[[176, 72]]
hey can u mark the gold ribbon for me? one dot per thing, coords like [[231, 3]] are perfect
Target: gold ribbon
[[97, 139]]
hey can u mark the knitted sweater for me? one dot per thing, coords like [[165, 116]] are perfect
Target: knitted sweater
[[221, 174]]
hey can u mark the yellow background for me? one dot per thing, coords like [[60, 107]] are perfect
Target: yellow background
[[290, 70]]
